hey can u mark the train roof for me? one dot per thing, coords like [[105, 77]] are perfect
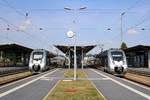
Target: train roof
[[51, 54], [103, 53]]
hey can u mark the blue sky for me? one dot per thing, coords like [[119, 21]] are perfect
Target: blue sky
[[90, 24]]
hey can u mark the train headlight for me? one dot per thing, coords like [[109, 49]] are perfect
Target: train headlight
[[36, 68]]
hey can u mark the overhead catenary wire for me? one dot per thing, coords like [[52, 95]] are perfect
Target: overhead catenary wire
[[16, 28], [54, 9], [6, 21], [12, 40], [142, 21], [19, 12], [125, 12], [22, 14], [104, 11], [12, 7], [132, 6]]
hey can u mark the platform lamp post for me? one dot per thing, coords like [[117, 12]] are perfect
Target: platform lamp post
[[69, 58], [82, 58], [71, 34], [121, 28]]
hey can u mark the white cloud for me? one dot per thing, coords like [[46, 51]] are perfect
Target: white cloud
[[132, 31], [24, 25]]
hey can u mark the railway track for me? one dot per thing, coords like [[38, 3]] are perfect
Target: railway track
[[10, 74], [138, 75], [139, 71], [12, 70], [14, 75]]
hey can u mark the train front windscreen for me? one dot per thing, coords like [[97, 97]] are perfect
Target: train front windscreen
[[37, 55], [117, 55]]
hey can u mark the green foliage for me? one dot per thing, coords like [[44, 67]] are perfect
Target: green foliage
[[123, 45]]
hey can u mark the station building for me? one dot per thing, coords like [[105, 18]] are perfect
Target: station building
[[81, 51], [14, 55], [138, 56]]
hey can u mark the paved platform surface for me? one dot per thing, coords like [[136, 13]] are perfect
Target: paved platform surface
[[32, 88], [116, 88], [36, 87]]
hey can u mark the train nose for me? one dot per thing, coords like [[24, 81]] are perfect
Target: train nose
[[36, 68], [119, 69]]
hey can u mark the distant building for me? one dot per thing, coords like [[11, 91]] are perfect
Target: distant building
[[14, 55], [138, 56]]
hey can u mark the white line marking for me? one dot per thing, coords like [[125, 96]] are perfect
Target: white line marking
[[123, 85], [46, 79], [3, 86], [94, 79], [23, 85], [105, 78], [142, 86], [130, 82], [96, 87], [21, 80]]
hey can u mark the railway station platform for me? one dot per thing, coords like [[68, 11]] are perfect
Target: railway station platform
[[81, 52]]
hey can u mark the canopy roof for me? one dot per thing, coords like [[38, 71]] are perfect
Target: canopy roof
[[65, 48], [137, 48], [14, 47]]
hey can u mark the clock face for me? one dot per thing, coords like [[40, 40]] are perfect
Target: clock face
[[70, 34]]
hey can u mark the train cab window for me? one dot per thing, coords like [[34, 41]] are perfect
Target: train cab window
[[117, 56], [37, 55]]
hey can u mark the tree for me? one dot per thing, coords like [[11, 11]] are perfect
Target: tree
[[123, 45]]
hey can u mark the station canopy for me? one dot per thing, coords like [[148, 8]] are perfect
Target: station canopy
[[19, 48], [138, 48], [65, 48], [14, 48]]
